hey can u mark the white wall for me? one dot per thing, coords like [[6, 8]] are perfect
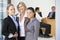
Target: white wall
[[45, 5], [57, 19], [4, 8]]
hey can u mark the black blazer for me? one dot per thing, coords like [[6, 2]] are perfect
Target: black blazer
[[40, 13], [8, 27], [53, 15]]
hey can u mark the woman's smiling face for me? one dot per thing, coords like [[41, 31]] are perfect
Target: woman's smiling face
[[21, 8], [11, 10], [30, 13]]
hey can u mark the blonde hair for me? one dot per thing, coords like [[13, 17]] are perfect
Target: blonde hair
[[23, 4], [8, 8]]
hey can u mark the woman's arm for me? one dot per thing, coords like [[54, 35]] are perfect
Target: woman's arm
[[5, 27], [36, 30]]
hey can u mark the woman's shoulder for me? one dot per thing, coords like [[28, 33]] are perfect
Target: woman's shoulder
[[35, 20], [6, 19]]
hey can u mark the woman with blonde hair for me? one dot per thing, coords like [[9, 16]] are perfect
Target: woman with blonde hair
[[10, 25], [22, 19]]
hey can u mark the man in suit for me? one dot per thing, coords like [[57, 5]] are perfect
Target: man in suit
[[39, 13], [10, 25], [52, 13], [42, 24], [37, 9]]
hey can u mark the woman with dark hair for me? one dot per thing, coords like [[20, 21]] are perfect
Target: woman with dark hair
[[32, 28]]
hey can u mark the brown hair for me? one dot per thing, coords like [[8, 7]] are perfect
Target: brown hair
[[8, 8], [53, 7], [23, 4]]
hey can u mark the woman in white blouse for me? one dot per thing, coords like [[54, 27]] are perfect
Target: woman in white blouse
[[22, 14]]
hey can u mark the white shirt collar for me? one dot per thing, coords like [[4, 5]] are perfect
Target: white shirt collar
[[12, 16], [24, 15]]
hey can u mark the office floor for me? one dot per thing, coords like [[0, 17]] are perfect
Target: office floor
[[40, 38]]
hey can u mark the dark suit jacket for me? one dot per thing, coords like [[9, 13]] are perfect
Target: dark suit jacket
[[40, 13], [8, 27], [53, 15]]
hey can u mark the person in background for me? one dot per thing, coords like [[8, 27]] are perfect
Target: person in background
[[39, 16], [22, 17], [10, 25], [51, 14], [32, 28], [37, 9], [42, 25]]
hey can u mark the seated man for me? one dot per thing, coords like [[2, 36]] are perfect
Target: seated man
[[51, 14], [43, 25], [37, 9]]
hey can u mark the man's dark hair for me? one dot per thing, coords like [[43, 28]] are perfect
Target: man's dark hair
[[37, 8]]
